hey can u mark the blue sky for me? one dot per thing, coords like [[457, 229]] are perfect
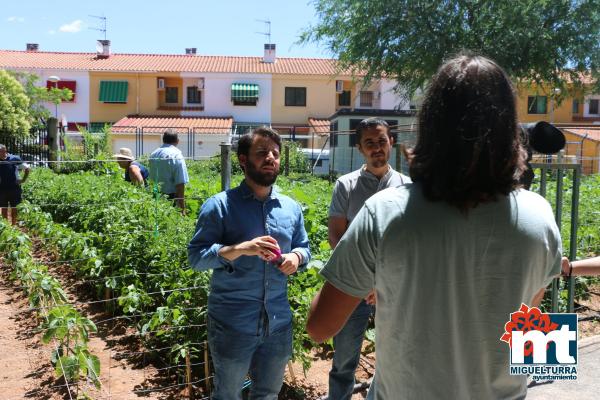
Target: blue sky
[[216, 27]]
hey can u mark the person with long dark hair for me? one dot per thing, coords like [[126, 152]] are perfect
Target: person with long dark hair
[[452, 254]]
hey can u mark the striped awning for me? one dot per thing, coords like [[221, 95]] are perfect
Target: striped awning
[[244, 91], [113, 91]]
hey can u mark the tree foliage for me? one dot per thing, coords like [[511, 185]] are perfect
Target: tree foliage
[[40, 95], [551, 41], [22, 102], [14, 106]]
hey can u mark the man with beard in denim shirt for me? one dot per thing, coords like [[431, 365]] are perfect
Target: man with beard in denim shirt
[[252, 237]]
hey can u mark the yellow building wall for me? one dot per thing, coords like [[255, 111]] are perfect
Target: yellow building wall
[[589, 150], [555, 113], [321, 99], [142, 96]]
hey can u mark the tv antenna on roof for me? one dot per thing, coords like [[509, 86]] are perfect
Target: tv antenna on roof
[[103, 29], [267, 23]]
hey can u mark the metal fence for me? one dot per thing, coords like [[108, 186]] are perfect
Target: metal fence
[[194, 142], [562, 168], [33, 148]]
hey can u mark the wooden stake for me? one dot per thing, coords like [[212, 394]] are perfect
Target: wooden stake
[[188, 375], [109, 305], [206, 369], [292, 374]]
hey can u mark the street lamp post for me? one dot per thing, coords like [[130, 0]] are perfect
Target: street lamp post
[[55, 79]]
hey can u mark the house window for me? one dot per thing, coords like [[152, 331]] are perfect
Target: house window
[[393, 124], [194, 96], [353, 136], [171, 95], [344, 98], [575, 108], [244, 102], [333, 136], [74, 126], [295, 96], [366, 99], [98, 126], [536, 104], [64, 84], [594, 106]]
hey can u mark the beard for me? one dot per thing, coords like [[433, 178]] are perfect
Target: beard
[[261, 178], [379, 161]]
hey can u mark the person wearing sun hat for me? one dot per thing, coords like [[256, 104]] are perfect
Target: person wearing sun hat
[[135, 172]]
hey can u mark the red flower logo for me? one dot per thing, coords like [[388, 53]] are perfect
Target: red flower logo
[[525, 320]]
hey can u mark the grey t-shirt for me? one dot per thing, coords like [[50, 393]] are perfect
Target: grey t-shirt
[[446, 284], [353, 189]]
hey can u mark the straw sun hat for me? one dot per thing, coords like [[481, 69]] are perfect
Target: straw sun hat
[[124, 153]]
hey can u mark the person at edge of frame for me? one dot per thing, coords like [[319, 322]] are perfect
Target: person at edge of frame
[[451, 255], [585, 267], [11, 181], [253, 238]]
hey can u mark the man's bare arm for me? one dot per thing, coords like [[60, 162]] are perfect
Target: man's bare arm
[[537, 299], [337, 226], [329, 311]]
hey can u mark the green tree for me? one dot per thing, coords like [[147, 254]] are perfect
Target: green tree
[[14, 106], [551, 41], [38, 95]]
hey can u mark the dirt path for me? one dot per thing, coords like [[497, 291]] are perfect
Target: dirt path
[[20, 362], [25, 367]]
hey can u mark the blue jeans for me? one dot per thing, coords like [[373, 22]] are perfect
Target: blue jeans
[[347, 345], [234, 355]]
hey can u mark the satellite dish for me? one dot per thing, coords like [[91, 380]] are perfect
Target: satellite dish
[[99, 47]]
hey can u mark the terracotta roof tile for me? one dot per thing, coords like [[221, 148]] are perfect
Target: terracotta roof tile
[[166, 63], [320, 126], [217, 125], [592, 133]]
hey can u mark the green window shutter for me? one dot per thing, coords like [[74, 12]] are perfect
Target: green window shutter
[[541, 104], [537, 104], [244, 92], [113, 91]]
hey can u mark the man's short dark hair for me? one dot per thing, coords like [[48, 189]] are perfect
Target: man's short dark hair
[[170, 137], [468, 149], [245, 141], [369, 123]]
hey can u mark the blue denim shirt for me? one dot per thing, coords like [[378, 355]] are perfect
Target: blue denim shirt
[[247, 295]]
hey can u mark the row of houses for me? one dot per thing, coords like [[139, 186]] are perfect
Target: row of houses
[[209, 98]]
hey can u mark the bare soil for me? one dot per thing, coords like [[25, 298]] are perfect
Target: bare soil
[[589, 313], [127, 370]]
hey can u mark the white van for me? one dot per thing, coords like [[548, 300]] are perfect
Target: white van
[[318, 159]]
